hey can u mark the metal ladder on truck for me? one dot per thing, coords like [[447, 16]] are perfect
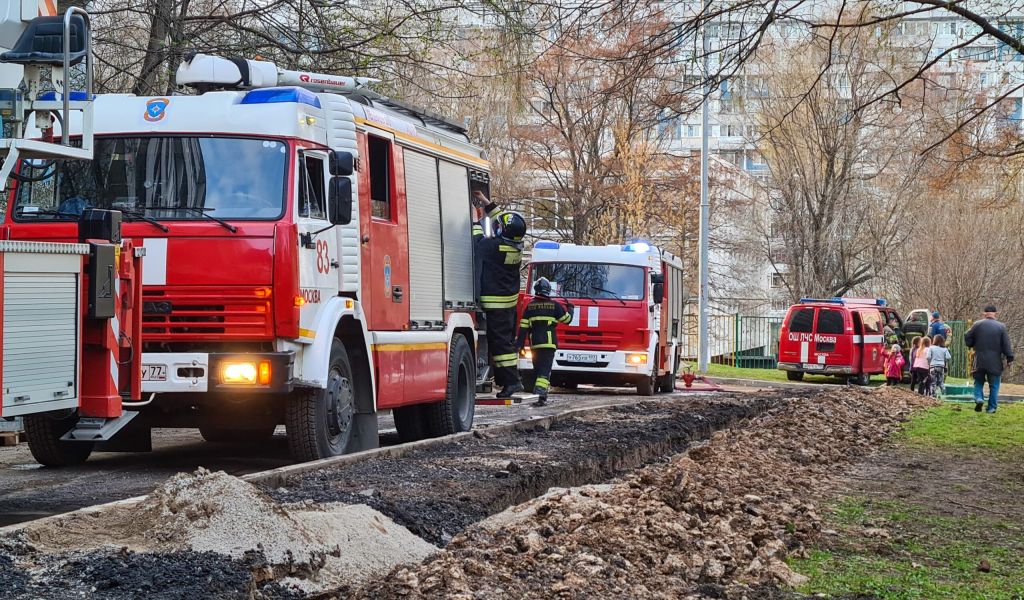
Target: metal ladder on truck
[[70, 313]]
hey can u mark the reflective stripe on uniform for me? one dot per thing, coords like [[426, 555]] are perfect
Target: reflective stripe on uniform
[[524, 323], [542, 320], [542, 382], [499, 301], [566, 318], [494, 212], [506, 360], [535, 346], [478, 230]]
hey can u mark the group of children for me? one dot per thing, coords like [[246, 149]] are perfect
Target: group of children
[[929, 363]]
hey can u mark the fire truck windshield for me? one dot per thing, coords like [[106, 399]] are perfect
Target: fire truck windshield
[[163, 178], [592, 280]]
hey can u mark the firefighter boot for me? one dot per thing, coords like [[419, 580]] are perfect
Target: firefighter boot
[[509, 390], [542, 401]]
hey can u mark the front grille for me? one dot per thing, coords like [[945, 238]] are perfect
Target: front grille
[[591, 340], [236, 313]]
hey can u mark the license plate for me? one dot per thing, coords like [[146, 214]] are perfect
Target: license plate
[[154, 372], [813, 367], [581, 358]]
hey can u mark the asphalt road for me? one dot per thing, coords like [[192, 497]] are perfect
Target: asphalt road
[[29, 491]]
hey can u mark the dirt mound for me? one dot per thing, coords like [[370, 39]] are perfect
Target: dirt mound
[[725, 514]]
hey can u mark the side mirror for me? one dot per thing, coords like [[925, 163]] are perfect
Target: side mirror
[[657, 278], [341, 163], [658, 293], [339, 201]]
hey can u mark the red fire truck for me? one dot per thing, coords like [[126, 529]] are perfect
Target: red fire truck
[[627, 314], [309, 258], [835, 336]]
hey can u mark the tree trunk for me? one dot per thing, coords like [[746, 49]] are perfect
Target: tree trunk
[[156, 49]]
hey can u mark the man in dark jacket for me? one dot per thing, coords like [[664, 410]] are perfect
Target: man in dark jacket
[[991, 342]]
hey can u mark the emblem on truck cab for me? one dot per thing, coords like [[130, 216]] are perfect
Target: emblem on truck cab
[[156, 109]]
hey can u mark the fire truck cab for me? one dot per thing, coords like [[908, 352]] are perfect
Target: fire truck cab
[[309, 258], [626, 319], [836, 336]]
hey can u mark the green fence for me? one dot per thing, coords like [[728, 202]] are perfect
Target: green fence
[[753, 342]]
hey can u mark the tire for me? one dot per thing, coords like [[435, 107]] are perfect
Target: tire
[[795, 375], [320, 421], [223, 435], [411, 423], [667, 383], [44, 431], [569, 386], [861, 379], [648, 384], [455, 413]]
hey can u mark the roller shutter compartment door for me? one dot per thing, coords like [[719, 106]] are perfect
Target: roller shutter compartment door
[[425, 239]]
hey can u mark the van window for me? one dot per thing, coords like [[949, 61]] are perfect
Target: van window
[[830, 321], [919, 318], [872, 322], [802, 321], [380, 176]]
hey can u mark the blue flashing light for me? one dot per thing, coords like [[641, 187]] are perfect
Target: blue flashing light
[[51, 96], [637, 247], [837, 300], [546, 245], [278, 95]]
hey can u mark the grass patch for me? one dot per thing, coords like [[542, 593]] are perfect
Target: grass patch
[[717, 370], [929, 556], [946, 427]]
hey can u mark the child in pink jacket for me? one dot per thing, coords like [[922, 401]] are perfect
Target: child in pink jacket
[[893, 365]]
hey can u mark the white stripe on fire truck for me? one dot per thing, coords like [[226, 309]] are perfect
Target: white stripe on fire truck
[[115, 325], [575, 317], [803, 352], [592, 316]]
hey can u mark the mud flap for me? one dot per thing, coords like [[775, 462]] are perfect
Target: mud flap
[[364, 432]]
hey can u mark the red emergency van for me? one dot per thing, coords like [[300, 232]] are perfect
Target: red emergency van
[[836, 336]]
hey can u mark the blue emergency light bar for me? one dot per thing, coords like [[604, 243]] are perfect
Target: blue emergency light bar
[[51, 96], [637, 247], [546, 245], [875, 301], [281, 95]]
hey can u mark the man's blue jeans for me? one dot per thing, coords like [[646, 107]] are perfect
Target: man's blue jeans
[[993, 389]]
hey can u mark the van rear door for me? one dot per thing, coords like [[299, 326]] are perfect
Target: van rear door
[[871, 341], [832, 344], [797, 333]]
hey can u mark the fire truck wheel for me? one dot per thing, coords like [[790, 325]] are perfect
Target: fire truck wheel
[[861, 379], [648, 384], [320, 421], [411, 423], [667, 383], [794, 375], [222, 435], [44, 431], [455, 413]]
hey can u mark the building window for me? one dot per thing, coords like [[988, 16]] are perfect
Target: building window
[[380, 176], [778, 281]]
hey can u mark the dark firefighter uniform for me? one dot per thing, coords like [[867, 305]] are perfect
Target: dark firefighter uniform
[[499, 258], [539, 320]]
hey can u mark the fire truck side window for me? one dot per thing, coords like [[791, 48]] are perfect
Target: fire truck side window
[[872, 321], [830, 321], [802, 321], [380, 176], [311, 188]]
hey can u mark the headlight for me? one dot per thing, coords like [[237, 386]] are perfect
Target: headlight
[[526, 353], [636, 358], [246, 373]]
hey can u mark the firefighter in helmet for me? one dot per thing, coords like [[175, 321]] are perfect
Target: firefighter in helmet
[[499, 258], [539, 320]]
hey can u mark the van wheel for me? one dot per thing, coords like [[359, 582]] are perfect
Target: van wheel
[[44, 431], [320, 421], [411, 423], [795, 375], [861, 379], [455, 413]]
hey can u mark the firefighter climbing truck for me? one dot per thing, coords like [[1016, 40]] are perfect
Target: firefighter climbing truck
[[308, 251], [627, 314]]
